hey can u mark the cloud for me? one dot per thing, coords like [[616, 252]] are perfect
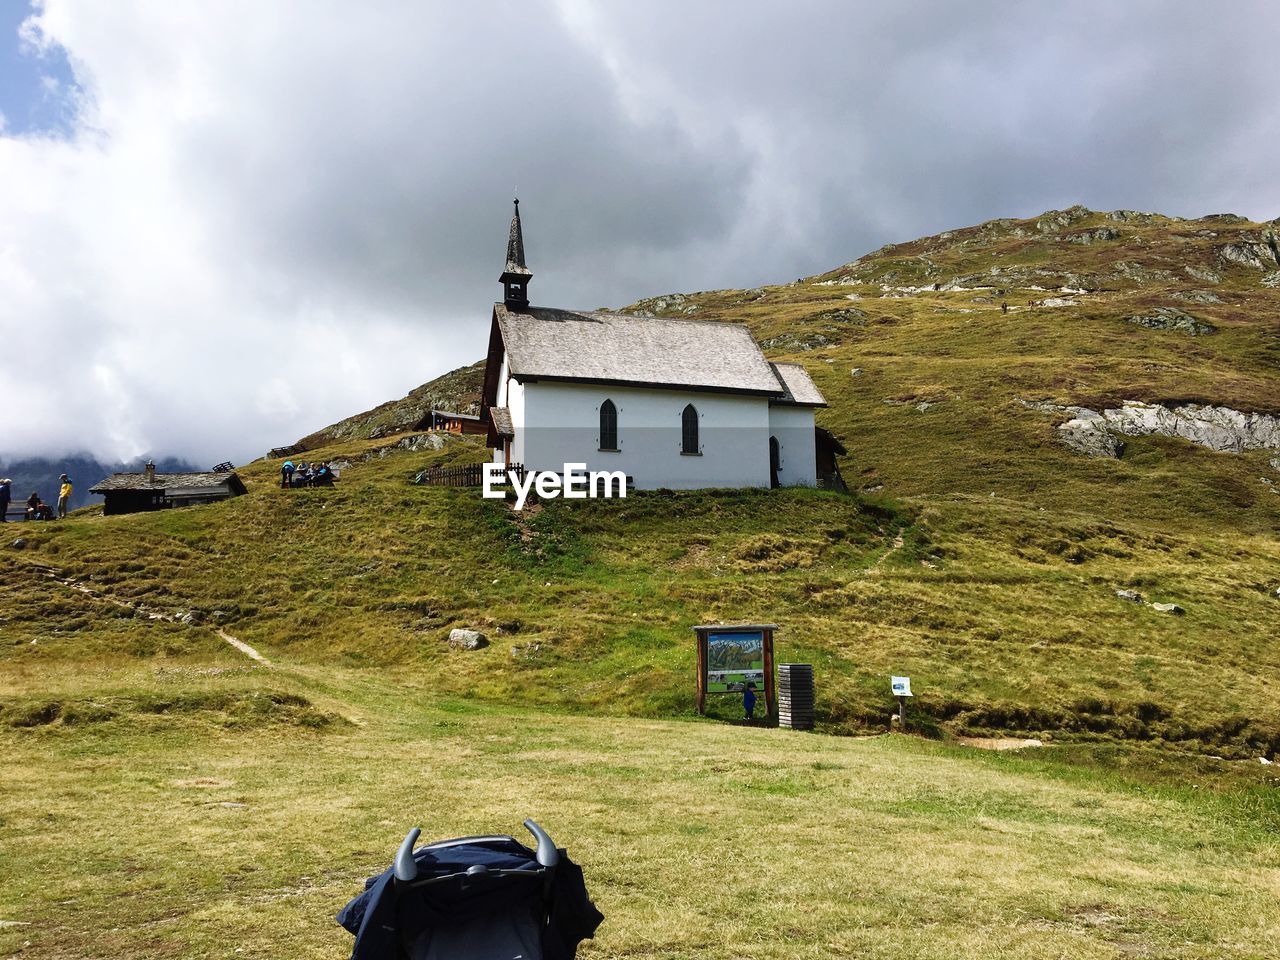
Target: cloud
[[269, 216]]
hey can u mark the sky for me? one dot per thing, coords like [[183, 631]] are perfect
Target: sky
[[223, 226]]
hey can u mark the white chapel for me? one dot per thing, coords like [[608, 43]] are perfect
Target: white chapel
[[677, 404]]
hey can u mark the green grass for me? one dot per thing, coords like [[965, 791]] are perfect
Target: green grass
[[159, 834]]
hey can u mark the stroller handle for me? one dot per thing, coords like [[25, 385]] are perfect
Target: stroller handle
[[547, 854], [406, 868]]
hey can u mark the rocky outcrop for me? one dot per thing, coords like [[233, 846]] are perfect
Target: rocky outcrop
[[1087, 237], [1197, 296], [1090, 436], [1171, 318], [1260, 252], [1085, 431], [671, 303], [1052, 221], [1218, 428], [1137, 216], [1203, 274], [1141, 274]]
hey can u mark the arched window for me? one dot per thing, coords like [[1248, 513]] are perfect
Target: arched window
[[608, 426], [689, 430]]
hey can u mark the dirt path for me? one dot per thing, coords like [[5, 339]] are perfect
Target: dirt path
[[80, 587], [898, 543]]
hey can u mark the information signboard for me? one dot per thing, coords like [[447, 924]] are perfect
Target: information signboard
[[730, 656]]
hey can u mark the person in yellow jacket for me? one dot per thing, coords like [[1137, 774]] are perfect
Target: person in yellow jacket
[[64, 496]]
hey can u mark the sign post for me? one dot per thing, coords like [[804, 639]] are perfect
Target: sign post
[[730, 656], [901, 687]]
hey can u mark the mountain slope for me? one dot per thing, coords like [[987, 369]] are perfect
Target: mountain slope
[[925, 371], [458, 390]]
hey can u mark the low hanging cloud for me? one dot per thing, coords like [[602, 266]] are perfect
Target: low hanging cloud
[[264, 217]]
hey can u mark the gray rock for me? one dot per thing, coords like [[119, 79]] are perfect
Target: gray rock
[[1140, 274], [1131, 595], [1091, 437], [1203, 274], [1052, 221], [1197, 296], [1171, 608], [1275, 463], [190, 617], [462, 639], [855, 372], [1132, 216], [792, 341], [1218, 428], [841, 315], [19, 544], [1092, 236], [1171, 318], [1272, 279], [1260, 253]]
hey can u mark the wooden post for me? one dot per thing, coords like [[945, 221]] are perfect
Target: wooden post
[[902, 714], [702, 673], [770, 682]]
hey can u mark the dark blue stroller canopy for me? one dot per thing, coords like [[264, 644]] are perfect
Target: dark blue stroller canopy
[[473, 898]]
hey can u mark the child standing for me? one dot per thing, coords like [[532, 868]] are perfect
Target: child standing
[[749, 701], [64, 496]]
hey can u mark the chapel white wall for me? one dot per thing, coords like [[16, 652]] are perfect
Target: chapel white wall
[[559, 423], [798, 454]]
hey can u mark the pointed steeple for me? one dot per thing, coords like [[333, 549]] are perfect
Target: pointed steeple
[[515, 277]]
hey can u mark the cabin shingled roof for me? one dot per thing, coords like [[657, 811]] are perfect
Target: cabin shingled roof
[[799, 386], [620, 348], [167, 481]]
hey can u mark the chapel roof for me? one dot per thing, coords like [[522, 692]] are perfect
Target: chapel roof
[[549, 343], [798, 385]]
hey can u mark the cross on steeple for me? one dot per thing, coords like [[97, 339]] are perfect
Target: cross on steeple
[[515, 277]]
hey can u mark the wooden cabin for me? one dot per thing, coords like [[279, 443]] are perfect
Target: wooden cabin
[[138, 492], [449, 422]]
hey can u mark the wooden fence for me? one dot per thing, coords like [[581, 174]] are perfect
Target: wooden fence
[[468, 475]]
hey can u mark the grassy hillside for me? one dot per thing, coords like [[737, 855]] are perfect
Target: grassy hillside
[[1004, 613]]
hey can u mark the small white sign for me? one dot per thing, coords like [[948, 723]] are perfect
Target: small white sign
[[901, 686]]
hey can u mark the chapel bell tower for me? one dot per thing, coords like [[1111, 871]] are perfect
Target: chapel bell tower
[[515, 278]]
